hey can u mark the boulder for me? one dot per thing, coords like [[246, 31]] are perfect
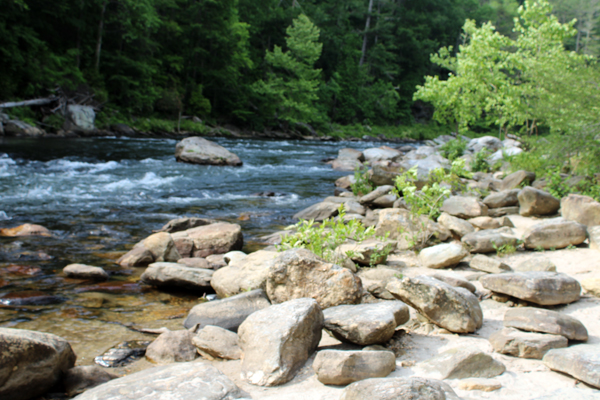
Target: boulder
[[229, 312], [459, 363], [385, 201], [214, 342], [345, 182], [543, 288], [366, 324], [464, 207], [319, 212], [582, 209], [375, 194], [137, 257], [385, 172], [517, 179], [489, 265], [554, 234], [381, 154], [400, 224], [219, 238], [79, 118], [489, 143], [299, 273], [375, 279], [183, 224], [195, 262], [485, 223], [452, 308], [277, 341], [164, 274], [455, 280], [348, 160], [594, 236], [457, 226], [122, 130], [499, 155], [545, 321], [82, 271], [31, 362], [338, 367], [234, 256], [502, 211], [157, 247], [525, 344], [181, 381], [581, 362], [489, 240], [538, 263], [424, 167], [197, 150], [537, 202], [442, 255], [413, 388], [25, 230], [84, 377], [172, 346], [19, 128], [248, 274]]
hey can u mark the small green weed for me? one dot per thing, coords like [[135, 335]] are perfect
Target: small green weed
[[453, 149], [480, 163], [362, 184], [504, 250]]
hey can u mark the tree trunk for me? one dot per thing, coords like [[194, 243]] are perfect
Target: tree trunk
[[100, 33], [367, 24]]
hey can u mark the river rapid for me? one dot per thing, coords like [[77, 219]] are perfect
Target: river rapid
[[100, 196]]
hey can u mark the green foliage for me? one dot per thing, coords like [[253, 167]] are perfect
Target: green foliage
[[479, 162], [453, 149], [362, 184], [429, 199], [504, 250]]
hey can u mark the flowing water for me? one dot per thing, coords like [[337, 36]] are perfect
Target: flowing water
[[101, 196]]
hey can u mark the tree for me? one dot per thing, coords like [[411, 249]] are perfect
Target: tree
[[292, 84]]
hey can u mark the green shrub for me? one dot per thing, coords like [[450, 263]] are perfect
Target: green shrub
[[430, 198], [362, 184], [480, 163], [453, 149]]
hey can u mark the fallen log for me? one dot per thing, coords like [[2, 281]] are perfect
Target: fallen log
[[34, 102]]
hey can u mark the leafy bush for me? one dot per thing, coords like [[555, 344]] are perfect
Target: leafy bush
[[480, 163], [429, 199], [362, 184], [453, 149]]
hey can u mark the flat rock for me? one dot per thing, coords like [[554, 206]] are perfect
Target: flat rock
[[525, 344], [82, 271], [556, 234], [545, 321], [299, 273], [338, 367], [543, 288], [581, 362], [535, 264], [487, 241], [31, 362], [248, 274], [518, 179], [582, 209], [227, 313], [455, 280], [375, 194], [537, 202], [453, 308], [366, 324], [277, 341], [197, 150], [488, 264], [172, 346], [164, 274], [318, 212], [457, 226], [505, 198], [459, 363], [442, 255], [464, 207], [413, 388], [485, 385], [485, 223], [217, 343], [181, 381]]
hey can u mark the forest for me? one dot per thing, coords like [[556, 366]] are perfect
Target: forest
[[275, 64]]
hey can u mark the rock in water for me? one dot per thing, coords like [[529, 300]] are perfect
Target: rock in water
[[165, 274], [298, 273], [543, 288], [459, 363], [25, 230], [277, 341], [545, 321], [399, 388], [453, 308], [554, 234], [31, 362], [83, 271], [182, 381], [338, 367], [525, 344], [227, 313], [196, 150], [581, 361], [172, 346], [319, 212], [366, 324]]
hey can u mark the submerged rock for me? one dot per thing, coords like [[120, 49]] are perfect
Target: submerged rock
[[165, 274]]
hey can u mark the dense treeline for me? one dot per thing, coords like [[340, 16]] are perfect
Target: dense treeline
[[239, 60]]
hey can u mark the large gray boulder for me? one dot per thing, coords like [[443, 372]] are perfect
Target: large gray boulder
[[366, 324], [454, 279], [79, 118], [442, 255], [247, 274], [533, 201], [227, 313], [218, 238], [518, 179], [214, 342], [582, 209], [525, 344], [164, 274], [413, 388], [554, 234], [464, 207], [299, 273], [172, 346], [457, 226], [197, 150], [348, 160], [581, 362], [31, 362], [158, 247], [489, 143], [487, 241], [459, 363], [319, 212], [545, 321], [181, 381], [381, 154], [338, 367], [277, 341], [543, 288], [453, 308]]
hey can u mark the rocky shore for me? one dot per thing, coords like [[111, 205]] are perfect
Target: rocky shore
[[497, 298]]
